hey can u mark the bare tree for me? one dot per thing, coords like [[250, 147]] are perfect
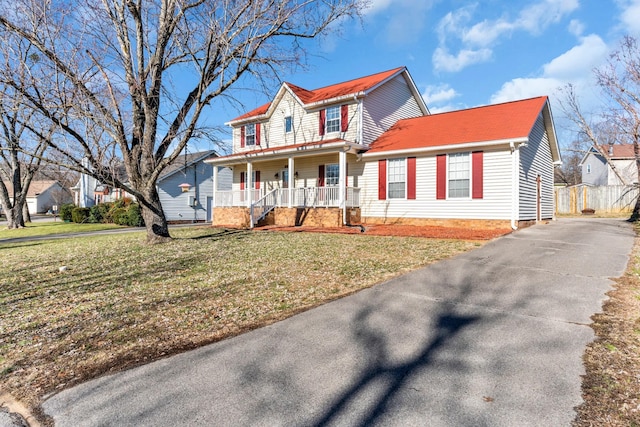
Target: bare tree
[[20, 149], [619, 120], [133, 78]]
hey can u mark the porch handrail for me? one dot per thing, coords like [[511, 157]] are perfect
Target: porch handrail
[[301, 197], [261, 207]]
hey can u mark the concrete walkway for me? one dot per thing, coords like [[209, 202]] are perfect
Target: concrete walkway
[[493, 337]]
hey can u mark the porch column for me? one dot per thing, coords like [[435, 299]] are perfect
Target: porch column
[[291, 182], [249, 184], [215, 189], [342, 184]]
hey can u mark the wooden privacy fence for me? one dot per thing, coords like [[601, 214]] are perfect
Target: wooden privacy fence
[[605, 198]]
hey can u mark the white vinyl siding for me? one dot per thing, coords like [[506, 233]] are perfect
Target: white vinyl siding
[[175, 203], [384, 106], [535, 159], [495, 204], [304, 126]]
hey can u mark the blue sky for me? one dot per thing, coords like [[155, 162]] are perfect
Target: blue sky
[[464, 53]]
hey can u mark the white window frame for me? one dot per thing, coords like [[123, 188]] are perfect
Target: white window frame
[[331, 179], [588, 167], [459, 174], [397, 174], [250, 134], [332, 119], [288, 124]]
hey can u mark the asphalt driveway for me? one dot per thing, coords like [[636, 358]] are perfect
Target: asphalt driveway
[[493, 337]]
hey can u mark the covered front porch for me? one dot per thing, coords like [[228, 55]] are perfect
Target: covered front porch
[[309, 184]]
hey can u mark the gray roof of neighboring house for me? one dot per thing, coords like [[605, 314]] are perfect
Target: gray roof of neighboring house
[[179, 163]]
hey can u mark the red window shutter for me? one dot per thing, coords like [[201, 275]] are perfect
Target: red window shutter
[[241, 180], [382, 179], [344, 118], [323, 115], [257, 183], [477, 174], [242, 137], [257, 133], [441, 176], [411, 178], [321, 176]]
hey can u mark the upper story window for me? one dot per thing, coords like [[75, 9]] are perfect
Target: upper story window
[[333, 119], [250, 134], [397, 178], [588, 167], [459, 175], [288, 124]]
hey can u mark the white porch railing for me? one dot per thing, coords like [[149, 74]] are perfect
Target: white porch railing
[[261, 207], [307, 197]]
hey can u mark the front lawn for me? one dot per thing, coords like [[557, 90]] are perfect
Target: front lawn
[[54, 227], [73, 309]]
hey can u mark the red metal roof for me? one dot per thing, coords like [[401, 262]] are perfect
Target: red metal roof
[[350, 87], [497, 122]]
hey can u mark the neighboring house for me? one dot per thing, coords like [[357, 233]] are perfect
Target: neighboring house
[[596, 171], [368, 150], [186, 187], [43, 195], [89, 191]]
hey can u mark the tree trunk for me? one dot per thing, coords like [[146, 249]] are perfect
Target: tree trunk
[[635, 214], [26, 216], [154, 219], [14, 217]]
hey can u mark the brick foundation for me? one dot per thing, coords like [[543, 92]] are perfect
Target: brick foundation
[[238, 217], [439, 222]]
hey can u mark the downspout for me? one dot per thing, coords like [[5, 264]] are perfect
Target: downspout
[[515, 179]]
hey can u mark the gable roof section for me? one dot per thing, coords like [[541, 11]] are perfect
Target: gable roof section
[[510, 121], [622, 151], [35, 188], [328, 94]]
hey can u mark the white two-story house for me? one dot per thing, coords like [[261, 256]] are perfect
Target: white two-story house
[[367, 150], [301, 151]]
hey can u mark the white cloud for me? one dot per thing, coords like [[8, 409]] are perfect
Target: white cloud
[[478, 39], [522, 88], [538, 17], [573, 66], [443, 108], [402, 21], [439, 93], [378, 5], [579, 59], [630, 16], [576, 27], [445, 61]]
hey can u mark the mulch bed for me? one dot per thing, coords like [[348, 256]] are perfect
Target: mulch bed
[[433, 232]]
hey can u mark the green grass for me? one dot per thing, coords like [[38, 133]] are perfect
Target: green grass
[[49, 228], [120, 302]]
